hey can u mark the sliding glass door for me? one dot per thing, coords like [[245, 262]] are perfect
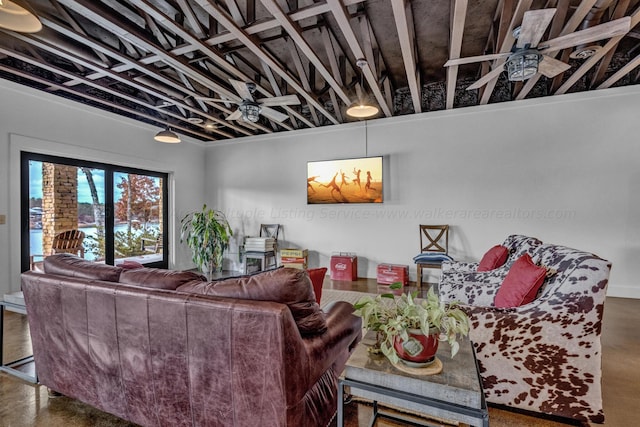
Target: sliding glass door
[[101, 212]]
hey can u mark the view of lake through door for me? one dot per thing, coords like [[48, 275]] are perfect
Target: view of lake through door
[[102, 213]]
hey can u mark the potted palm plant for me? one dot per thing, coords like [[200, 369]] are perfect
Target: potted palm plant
[[409, 328], [207, 234]]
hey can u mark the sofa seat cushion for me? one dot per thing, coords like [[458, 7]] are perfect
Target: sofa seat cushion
[[431, 258], [158, 278], [73, 266], [289, 286], [521, 284], [494, 258]]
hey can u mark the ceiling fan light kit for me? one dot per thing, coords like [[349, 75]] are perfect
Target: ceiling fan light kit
[[522, 65], [167, 136], [17, 15], [250, 111]]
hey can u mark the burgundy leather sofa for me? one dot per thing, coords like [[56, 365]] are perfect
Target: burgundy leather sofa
[[166, 348]]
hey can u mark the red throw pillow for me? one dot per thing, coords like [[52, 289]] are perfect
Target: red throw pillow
[[494, 258], [130, 265], [317, 278], [521, 284]]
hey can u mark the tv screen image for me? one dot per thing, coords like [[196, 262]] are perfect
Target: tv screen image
[[357, 180]]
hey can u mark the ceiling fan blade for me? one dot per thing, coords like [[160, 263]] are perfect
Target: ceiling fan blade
[[225, 101], [534, 25], [236, 115], [241, 88], [551, 67], [487, 77], [279, 100], [272, 114], [472, 59], [603, 31]]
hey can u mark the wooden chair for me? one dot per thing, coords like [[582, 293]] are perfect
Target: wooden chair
[[69, 241], [434, 248], [152, 246], [267, 258]]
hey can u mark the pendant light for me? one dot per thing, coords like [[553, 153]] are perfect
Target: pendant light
[[17, 15], [167, 136], [362, 109]]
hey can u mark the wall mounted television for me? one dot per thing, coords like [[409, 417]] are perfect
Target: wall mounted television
[[356, 180]]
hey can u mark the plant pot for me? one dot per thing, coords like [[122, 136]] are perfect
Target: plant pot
[[419, 350]]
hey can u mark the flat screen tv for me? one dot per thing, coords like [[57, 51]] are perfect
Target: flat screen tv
[[357, 180]]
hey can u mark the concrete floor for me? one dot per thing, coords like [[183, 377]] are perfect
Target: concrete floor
[[25, 405]]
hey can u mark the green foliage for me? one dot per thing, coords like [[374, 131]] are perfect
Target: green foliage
[[392, 317], [207, 234], [95, 244], [126, 244]]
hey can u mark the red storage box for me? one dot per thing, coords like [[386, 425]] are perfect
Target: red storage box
[[392, 273], [344, 266]]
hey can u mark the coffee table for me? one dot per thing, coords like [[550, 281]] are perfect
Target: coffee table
[[454, 394]]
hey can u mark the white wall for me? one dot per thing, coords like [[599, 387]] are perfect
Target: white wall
[[565, 170], [35, 121]]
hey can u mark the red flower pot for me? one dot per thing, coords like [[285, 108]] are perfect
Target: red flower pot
[[418, 350]]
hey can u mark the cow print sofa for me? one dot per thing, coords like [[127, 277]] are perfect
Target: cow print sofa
[[544, 356]]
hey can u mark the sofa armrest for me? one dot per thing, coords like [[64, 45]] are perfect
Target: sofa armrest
[[344, 331]]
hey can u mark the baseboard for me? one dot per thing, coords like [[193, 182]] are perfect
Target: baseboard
[[624, 291]]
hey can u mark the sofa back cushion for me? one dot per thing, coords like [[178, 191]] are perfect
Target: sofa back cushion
[[158, 278], [494, 258], [288, 286], [521, 284], [519, 245], [73, 266]]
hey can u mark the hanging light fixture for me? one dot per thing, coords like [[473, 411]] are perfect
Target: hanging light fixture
[[167, 136], [361, 108], [17, 15]]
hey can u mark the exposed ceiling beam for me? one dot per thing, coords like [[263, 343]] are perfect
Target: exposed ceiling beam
[[459, 9], [294, 32], [266, 25], [188, 13], [221, 16], [595, 58], [598, 76], [404, 24], [295, 56], [107, 50], [341, 15], [207, 50], [626, 69], [69, 75]]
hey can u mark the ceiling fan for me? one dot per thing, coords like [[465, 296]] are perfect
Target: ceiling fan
[[528, 56], [250, 109]]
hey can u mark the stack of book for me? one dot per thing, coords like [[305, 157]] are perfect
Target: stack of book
[[294, 258], [259, 244]]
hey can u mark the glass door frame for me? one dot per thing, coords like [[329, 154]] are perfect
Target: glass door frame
[[109, 204]]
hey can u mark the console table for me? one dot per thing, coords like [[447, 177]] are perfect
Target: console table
[[15, 303], [454, 394]]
